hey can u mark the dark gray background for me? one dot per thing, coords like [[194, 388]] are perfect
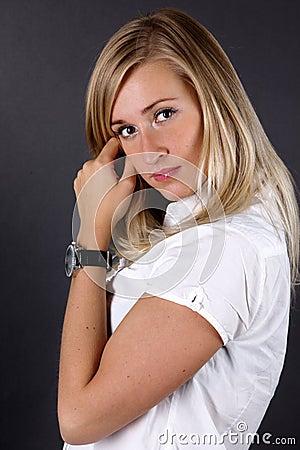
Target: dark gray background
[[47, 51]]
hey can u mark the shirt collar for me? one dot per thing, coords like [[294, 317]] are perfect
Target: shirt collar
[[183, 208]]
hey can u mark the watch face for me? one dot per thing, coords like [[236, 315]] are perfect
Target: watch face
[[70, 260]]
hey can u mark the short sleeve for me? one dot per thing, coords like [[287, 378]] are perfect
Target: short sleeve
[[213, 270]]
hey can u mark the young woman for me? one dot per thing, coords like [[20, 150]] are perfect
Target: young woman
[[200, 300]]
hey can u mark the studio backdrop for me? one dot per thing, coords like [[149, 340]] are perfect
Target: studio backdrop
[[48, 49]]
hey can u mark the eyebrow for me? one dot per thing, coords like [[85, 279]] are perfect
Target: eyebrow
[[146, 109]]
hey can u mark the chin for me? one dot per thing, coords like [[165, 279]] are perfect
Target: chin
[[174, 193], [172, 190]]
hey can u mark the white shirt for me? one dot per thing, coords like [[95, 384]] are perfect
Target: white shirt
[[234, 273]]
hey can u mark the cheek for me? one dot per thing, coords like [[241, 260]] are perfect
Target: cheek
[[188, 135], [188, 146], [128, 146], [194, 144]]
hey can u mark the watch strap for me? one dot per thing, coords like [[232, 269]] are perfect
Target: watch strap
[[96, 258]]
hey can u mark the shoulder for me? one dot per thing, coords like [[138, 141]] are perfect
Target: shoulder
[[248, 233], [258, 228]]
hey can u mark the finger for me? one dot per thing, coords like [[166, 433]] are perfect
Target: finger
[[87, 166], [125, 187], [129, 169], [128, 180], [76, 187], [108, 152]]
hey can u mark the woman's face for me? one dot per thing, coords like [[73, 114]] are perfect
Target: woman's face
[[158, 120]]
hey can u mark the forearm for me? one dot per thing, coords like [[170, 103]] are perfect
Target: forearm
[[84, 403], [83, 339]]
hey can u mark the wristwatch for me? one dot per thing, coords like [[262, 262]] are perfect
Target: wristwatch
[[77, 257]]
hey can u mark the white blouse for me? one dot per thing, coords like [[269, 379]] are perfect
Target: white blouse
[[235, 273]]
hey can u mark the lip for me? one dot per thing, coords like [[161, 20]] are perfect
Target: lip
[[165, 174]]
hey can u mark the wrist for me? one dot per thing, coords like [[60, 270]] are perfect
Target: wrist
[[77, 257], [92, 240]]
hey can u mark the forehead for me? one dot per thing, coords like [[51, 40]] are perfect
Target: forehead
[[146, 84]]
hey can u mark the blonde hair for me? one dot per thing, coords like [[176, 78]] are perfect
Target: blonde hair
[[240, 160]]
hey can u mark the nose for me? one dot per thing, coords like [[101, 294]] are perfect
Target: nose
[[151, 147]]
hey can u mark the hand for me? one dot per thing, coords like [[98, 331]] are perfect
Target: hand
[[99, 192]]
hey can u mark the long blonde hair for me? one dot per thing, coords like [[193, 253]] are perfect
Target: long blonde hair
[[241, 161]]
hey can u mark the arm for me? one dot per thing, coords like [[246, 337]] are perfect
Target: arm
[[83, 339], [104, 385], [157, 336]]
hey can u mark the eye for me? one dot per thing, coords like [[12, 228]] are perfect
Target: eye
[[164, 114], [126, 131]]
